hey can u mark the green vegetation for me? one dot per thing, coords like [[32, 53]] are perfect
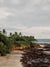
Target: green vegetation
[[19, 43], [2, 49], [19, 40], [6, 42]]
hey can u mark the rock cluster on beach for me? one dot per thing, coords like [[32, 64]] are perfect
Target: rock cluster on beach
[[35, 58]]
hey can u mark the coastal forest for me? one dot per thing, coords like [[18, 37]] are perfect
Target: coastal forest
[[6, 42]]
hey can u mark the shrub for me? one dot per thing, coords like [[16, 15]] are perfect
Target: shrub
[[2, 49], [19, 43], [8, 45]]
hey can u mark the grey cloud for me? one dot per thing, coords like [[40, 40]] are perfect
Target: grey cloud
[[27, 12]]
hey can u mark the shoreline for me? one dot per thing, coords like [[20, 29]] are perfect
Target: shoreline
[[14, 59]]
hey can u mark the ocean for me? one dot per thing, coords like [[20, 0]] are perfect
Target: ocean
[[43, 40]]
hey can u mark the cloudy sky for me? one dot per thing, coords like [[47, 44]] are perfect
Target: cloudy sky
[[31, 17]]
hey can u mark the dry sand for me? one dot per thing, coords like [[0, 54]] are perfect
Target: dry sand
[[11, 60]]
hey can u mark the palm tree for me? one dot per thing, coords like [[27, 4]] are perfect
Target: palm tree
[[0, 31], [10, 34], [20, 34], [4, 31], [16, 33]]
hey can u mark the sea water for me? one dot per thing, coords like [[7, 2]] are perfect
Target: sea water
[[43, 40]]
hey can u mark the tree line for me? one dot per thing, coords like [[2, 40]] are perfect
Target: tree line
[[6, 42]]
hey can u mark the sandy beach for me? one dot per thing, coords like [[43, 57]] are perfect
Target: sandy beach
[[11, 60]]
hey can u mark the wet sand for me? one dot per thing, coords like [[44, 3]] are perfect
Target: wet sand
[[11, 60]]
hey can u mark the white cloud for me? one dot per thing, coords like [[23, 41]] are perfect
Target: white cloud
[[1, 0], [15, 1], [38, 32], [4, 13]]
